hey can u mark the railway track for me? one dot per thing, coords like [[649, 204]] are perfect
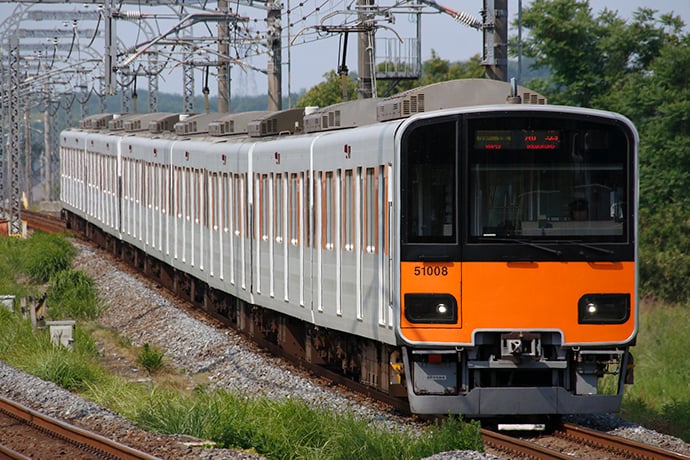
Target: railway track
[[26, 433], [572, 441], [44, 222]]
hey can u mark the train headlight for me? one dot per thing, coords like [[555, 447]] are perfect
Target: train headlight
[[603, 308], [431, 308]]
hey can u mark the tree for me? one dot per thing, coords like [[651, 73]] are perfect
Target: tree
[[328, 92], [590, 56], [434, 70]]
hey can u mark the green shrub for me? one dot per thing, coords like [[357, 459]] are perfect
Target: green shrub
[[10, 264], [664, 253], [66, 368], [44, 255], [72, 294], [13, 331], [150, 358]]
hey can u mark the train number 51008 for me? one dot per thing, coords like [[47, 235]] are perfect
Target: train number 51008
[[430, 271]]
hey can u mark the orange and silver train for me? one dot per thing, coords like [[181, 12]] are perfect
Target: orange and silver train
[[463, 245]]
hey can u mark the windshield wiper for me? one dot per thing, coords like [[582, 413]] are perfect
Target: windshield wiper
[[590, 247], [527, 243]]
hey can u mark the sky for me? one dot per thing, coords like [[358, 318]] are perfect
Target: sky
[[308, 62]]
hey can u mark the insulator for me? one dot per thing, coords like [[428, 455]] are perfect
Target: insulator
[[467, 19], [133, 14]]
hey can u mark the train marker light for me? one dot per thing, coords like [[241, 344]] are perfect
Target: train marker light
[[431, 309], [603, 309]]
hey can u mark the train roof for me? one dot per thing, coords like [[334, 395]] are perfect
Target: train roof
[[350, 114]]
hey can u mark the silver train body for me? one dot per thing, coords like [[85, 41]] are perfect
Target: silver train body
[[301, 214]]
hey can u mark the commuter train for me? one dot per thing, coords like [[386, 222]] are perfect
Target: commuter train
[[463, 245]]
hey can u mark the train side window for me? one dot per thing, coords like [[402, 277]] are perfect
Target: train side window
[[148, 185], [152, 191], [294, 209], [156, 170], [327, 210], [166, 190], [187, 192], [144, 185], [128, 179], [141, 193], [307, 187], [203, 196], [370, 210], [285, 210], [429, 185], [348, 210], [225, 210], [239, 201], [278, 207], [194, 192], [175, 198], [263, 188], [155, 203], [199, 194], [135, 178], [191, 184], [129, 171], [177, 192], [214, 201], [196, 204]]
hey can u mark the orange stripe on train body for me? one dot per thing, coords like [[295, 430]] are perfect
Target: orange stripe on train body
[[512, 296]]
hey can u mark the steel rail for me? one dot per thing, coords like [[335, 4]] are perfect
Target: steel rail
[[43, 222], [616, 443], [517, 446], [8, 454], [75, 435]]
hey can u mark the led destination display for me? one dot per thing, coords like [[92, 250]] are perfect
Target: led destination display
[[519, 139]]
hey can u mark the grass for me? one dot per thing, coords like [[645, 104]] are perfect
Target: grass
[[44, 255], [32, 351], [660, 397], [290, 428], [72, 295], [276, 429], [151, 358]]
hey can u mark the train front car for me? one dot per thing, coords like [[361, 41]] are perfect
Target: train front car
[[517, 260]]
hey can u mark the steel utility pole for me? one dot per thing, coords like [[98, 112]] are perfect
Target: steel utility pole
[[275, 62], [47, 131], [223, 50], [365, 53], [15, 218], [496, 39]]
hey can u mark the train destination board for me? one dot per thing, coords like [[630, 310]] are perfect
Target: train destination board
[[518, 139]]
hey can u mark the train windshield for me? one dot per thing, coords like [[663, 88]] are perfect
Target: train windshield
[[547, 179]]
